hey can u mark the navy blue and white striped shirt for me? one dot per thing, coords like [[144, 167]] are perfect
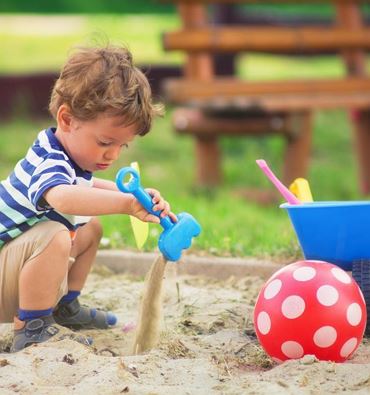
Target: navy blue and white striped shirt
[[21, 194]]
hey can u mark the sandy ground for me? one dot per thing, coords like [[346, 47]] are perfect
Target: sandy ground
[[207, 346]]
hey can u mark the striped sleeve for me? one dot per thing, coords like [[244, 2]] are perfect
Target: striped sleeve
[[51, 172]]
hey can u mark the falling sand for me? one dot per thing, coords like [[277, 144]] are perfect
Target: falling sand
[[150, 316]]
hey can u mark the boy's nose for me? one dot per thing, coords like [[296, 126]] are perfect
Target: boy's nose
[[112, 154]]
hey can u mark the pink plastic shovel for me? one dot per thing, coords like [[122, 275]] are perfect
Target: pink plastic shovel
[[289, 197]]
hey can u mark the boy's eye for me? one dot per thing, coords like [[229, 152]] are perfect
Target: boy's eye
[[103, 143], [107, 144]]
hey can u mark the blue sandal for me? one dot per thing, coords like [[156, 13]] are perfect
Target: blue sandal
[[74, 316], [39, 330]]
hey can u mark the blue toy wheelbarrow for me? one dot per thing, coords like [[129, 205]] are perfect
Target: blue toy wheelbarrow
[[336, 232]]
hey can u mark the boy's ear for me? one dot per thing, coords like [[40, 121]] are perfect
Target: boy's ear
[[64, 118]]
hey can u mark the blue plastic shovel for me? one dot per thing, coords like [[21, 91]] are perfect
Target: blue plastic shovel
[[176, 236]]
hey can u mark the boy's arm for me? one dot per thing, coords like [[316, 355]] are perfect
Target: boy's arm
[[85, 201], [104, 184]]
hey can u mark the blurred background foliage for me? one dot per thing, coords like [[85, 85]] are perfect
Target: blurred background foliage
[[86, 7], [37, 36]]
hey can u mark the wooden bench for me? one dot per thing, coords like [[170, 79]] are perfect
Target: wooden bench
[[210, 105]]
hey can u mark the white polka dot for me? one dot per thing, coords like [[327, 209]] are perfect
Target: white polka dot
[[348, 347], [325, 336], [292, 349], [263, 322], [341, 275], [272, 289], [327, 295], [304, 273], [293, 306], [354, 314]]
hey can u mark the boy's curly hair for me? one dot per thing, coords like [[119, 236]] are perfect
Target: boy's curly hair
[[104, 80]]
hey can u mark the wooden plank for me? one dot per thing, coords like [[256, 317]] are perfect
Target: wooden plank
[[300, 102], [316, 102], [196, 122], [185, 90], [267, 39]]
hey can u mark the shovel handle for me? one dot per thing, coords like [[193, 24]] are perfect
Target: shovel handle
[[134, 186]]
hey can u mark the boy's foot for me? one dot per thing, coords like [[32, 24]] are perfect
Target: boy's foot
[[74, 316], [39, 330]]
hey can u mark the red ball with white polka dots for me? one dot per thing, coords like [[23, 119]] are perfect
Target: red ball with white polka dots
[[310, 307]]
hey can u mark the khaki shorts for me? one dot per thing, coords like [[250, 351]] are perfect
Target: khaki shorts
[[14, 255]]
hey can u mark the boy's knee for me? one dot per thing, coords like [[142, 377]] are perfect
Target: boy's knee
[[96, 229]]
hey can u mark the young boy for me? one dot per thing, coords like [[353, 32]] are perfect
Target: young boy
[[48, 232]]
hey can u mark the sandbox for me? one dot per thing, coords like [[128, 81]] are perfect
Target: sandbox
[[207, 346]]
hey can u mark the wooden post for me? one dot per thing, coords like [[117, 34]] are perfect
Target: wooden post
[[208, 157], [224, 63], [298, 147], [199, 66], [349, 16]]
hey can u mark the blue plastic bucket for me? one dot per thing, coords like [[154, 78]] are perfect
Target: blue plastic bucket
[[336, 232]]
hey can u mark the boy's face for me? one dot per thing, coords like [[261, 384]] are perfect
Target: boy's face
[[96, 144]]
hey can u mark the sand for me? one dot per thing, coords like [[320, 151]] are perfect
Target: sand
[[148, 327], [207, 346]]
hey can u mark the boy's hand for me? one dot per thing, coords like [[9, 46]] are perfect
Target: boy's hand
[[159, 204]]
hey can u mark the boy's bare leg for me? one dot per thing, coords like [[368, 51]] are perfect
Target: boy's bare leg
[[69, 312], [40, 284], [84, 248], [46, 271], [41, 277]]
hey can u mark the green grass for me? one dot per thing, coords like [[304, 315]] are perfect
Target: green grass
[[314, 8], [268, 67], [89, 7], [35, 43]]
